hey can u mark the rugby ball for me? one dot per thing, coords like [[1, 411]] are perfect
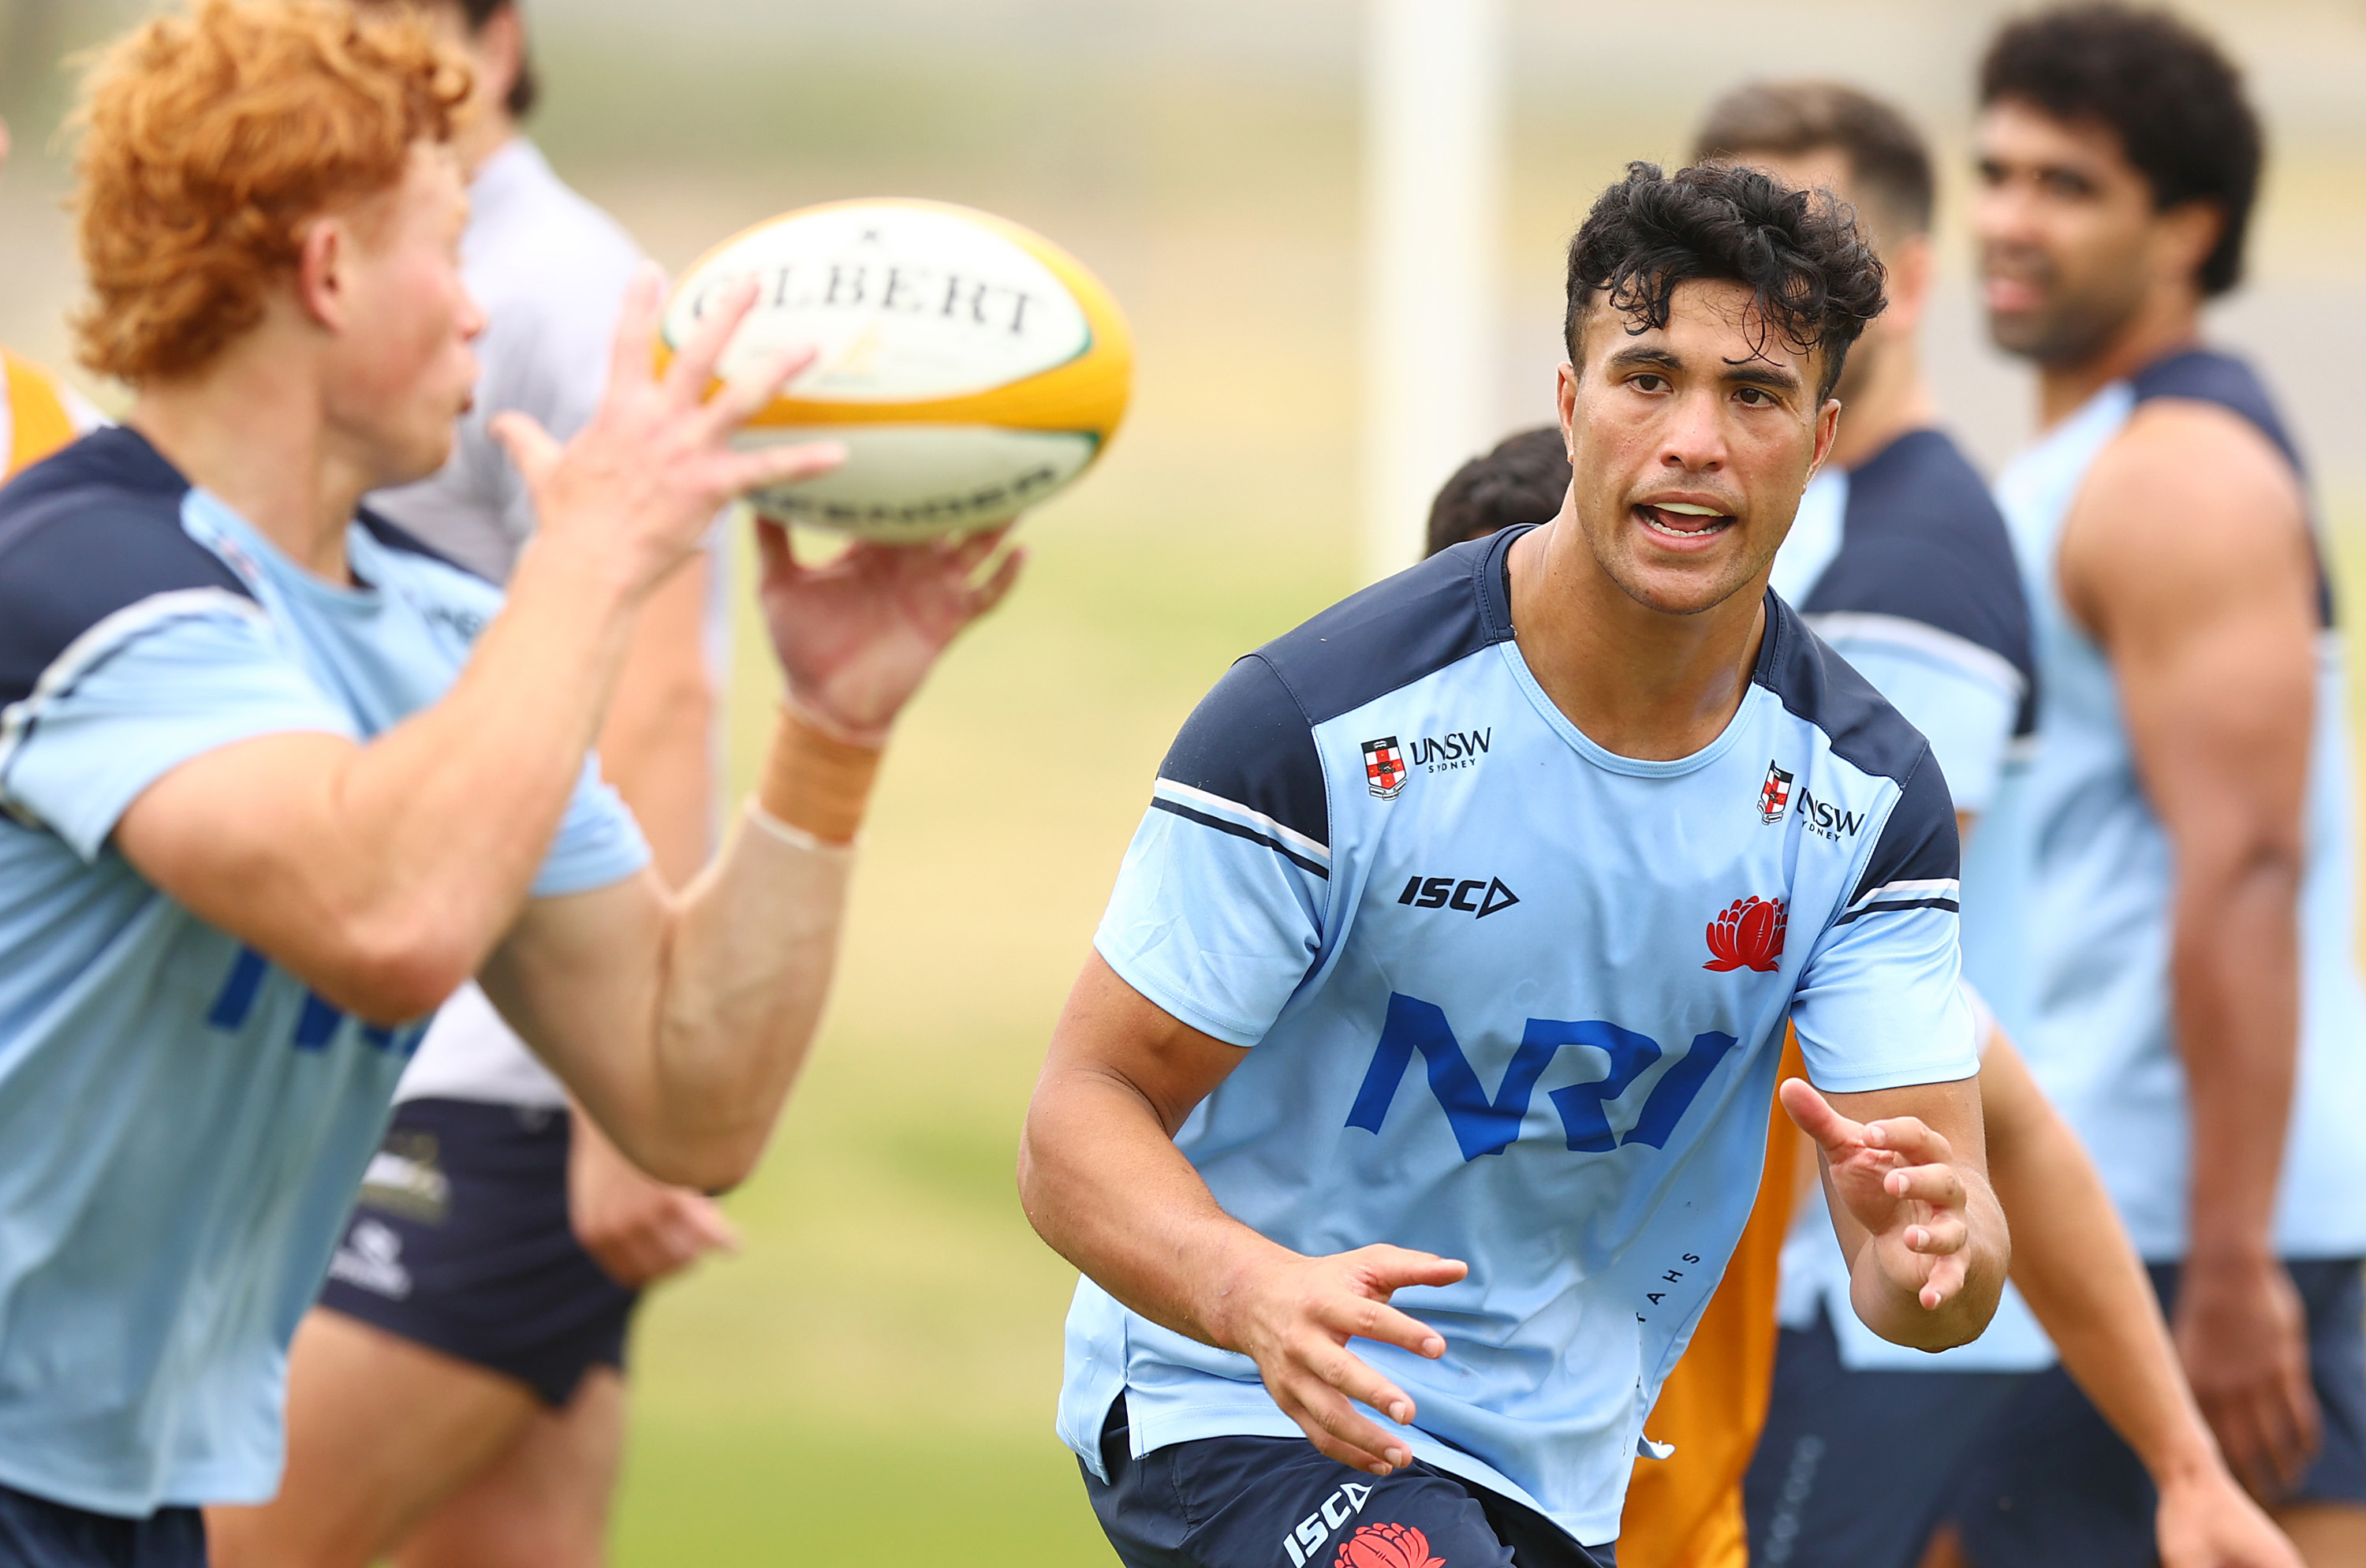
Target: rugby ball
[[970, 367]]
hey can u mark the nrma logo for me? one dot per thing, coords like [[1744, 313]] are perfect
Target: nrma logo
[[1488, 1126]]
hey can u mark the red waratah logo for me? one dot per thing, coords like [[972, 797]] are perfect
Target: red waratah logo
[[1387, 1546], [1748, 934]]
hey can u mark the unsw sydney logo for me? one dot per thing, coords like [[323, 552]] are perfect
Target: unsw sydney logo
[[1387, 765], [1821, 818]]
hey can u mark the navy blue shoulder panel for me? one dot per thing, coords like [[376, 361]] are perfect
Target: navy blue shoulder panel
[[1923, 540], [1251, 740], [1249, 743], [1916, 863], [1918, 841], [1398, 630], [394, 536], [91, 530], [2207, 376], [1819, 686]]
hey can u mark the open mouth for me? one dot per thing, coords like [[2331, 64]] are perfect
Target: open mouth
[[1683, 520]]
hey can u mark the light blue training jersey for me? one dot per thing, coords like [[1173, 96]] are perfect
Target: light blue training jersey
[[1903, 565], [182, 1124], [1514, 1000], [2067, 929]]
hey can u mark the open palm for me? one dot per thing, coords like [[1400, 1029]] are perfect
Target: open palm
[[857, 635]]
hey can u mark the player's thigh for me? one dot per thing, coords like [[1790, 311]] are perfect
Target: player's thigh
[[1854, 1469], [379, 1430], [545, 1502]]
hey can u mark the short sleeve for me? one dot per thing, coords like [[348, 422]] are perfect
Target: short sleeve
[[1218, 909], [157, 684], [1880, 1003], [1963, 701], [598, 843]]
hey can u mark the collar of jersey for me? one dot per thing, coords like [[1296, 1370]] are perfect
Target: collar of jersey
[[1638, 767], [360, 555]]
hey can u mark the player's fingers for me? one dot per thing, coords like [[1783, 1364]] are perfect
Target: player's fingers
[[711, 1227], [694, 367], [969, 551], [1393, 1267], [633, 351], [1322, 1416], [1941, 1185], [1338, 1379], [2288, 1424], [1940, 1235], [738, 400], [532, 448], [772, 466], [1342, 1369], [1360, 1317], [987, 594], [1814, 1115], [1910, 1138], [1946, 1279]]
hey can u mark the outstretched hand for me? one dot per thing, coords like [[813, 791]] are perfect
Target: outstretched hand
[[2206, 1521], [1295, 1321], [1896, 1178], [857, 635], [640, 484]]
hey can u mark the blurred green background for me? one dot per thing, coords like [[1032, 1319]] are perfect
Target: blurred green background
[[871, 1381]]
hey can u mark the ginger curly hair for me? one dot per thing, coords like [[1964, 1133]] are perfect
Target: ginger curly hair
[[211, 136]]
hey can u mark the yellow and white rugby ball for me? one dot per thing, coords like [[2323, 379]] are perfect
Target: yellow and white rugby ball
[[970, 367]]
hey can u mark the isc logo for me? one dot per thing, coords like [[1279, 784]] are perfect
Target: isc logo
[[1488, 1126], [1470, 894]]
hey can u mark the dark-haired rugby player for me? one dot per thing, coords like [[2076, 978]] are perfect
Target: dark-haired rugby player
[[2170, 919], [276, 779], [1451, 963]]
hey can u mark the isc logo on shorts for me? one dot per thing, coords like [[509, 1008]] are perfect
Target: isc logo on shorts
[[1315, 1528]]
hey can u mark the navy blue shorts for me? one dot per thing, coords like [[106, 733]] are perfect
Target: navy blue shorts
[[38, 1533], [2053, 1485], [1279, 1502], [1853, 1469], [461, 1243]]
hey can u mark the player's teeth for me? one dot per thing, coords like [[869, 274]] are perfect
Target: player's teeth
[[1688, 509]]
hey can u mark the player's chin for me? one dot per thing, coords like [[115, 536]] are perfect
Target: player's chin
[[1690, 582]]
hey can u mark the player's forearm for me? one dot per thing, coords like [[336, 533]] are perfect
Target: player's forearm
[[1104, 1186], [2236, 969], [657, 744], [745, 968], [2074, 1265]]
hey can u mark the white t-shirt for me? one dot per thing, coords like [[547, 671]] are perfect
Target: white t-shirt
[[550, 270]]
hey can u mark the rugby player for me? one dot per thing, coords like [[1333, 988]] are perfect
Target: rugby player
[[463, 1369], [2165, 916], [38, 413], [277, 779], [1566, 870]]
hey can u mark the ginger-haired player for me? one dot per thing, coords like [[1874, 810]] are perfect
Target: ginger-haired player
[[277, 780]]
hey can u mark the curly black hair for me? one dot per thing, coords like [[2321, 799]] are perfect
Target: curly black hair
[[1522, 480], [1815, 275], [2174, 99]]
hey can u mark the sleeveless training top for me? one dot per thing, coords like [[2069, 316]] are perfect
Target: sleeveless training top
[[2067, 922]]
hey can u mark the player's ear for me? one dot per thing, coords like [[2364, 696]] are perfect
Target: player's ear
[[321, 257]]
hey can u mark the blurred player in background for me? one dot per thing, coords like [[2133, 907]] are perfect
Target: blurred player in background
[[277, 779], [1548, 821], [39, 413], [2164, 912], [458, 1396]]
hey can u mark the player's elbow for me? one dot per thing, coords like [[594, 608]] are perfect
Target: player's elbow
[[393, 972], [714, 1163]]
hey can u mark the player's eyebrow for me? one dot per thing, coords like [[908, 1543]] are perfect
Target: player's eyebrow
[[1641, 357], [1762, 373]]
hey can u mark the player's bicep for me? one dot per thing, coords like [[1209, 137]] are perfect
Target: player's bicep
[[1111, 1031], [2187, 554], [242, 836]]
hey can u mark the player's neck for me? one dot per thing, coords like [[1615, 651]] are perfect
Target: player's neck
[[1893, 400], [2169, 320], [1637, 682], [252, 429]]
